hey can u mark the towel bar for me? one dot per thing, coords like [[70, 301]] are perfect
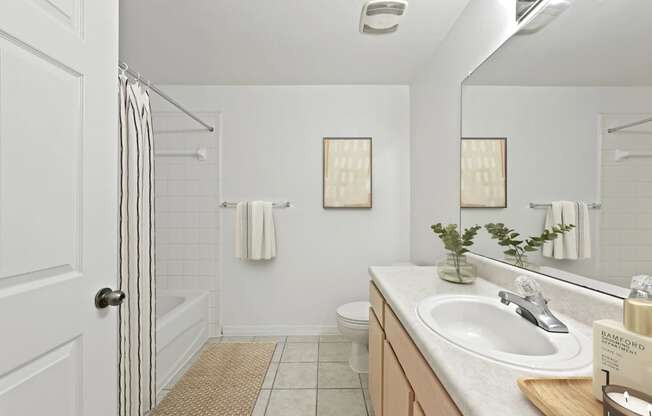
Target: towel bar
[[591, 205], [280, 204]]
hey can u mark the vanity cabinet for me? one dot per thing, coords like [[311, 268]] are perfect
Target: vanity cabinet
[[401, 382]]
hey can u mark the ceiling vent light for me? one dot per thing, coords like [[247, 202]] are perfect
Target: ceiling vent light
[[381, 16]]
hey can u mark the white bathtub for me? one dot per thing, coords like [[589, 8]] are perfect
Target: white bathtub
[[181, 330]]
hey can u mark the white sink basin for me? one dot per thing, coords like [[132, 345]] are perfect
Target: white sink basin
[[488, 328]]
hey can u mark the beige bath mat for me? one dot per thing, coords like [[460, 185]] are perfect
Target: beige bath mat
[[225, 381]]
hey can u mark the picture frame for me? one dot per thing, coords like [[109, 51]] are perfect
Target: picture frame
[[347, 173], [483, 172]]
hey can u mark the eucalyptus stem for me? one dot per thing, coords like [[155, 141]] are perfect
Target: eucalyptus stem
[[456, 262], [518, 248]]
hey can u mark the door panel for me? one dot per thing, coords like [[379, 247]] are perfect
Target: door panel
[[57, 374], [417, 410], [65, 11], [58, 207], [40, 164], [397, 393], [376, 343]]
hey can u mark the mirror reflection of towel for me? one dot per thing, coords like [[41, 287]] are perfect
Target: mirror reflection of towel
[[583, 231], [255, 233], [576, 243]]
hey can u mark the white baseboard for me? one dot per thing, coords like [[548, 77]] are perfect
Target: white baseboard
[[284, 330]]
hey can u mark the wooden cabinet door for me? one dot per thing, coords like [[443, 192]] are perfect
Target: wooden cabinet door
[[418, 411], [376, 340], [397, 393]]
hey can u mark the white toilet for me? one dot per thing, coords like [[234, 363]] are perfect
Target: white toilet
[[353, 323]]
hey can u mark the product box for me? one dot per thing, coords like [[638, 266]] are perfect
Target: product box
[[620, 357]]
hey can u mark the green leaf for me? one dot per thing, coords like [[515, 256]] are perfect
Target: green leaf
[[451, 238]]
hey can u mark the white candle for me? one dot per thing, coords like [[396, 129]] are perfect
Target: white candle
[[636, 405]]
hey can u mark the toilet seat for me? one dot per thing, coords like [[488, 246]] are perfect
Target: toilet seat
[[355, 313]]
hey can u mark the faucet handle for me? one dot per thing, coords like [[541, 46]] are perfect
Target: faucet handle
[[527, 286], [641, 287]]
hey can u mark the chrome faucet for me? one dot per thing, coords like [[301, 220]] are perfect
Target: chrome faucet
[[532, 305]]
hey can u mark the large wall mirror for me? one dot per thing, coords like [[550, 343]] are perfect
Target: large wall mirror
[[571, 93]]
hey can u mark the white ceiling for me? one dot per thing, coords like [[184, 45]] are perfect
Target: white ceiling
[[276, 42], [593, 43]]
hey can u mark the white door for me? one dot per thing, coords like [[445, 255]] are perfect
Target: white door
[[58, 216]]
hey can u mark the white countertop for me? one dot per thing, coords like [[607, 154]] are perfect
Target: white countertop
[[478, 385]]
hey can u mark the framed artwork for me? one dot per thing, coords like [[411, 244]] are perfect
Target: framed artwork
[[347, 172], [483, 182]]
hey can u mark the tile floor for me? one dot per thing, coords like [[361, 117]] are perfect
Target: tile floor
[[308, 376]]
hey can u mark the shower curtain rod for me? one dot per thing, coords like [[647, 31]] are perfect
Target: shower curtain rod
[[124, 67]]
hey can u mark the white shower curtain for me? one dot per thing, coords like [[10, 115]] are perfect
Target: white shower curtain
[[137, 377]]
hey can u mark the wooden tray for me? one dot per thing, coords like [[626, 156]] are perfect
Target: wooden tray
[[562, 396]]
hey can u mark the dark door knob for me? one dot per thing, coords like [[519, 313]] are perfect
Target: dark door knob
[[107, 297]]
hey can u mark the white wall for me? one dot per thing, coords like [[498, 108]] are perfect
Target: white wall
[[435, 119], [553, 153], [272, 149]]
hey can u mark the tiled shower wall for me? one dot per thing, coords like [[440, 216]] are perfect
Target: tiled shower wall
[[187, 217], [626, 215]]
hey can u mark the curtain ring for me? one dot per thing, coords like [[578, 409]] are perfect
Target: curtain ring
[[123, 69]]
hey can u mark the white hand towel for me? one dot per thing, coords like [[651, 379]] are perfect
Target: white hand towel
[[261, 231], [583, 231], [553, 218], [269, 237], [569, 238], [242, 230], [574, 244]]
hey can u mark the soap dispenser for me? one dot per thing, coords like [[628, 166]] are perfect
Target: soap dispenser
[[622, 351], [638, 306]]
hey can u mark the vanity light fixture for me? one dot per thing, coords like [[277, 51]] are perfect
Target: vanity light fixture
[[523, 7], [545, 11]]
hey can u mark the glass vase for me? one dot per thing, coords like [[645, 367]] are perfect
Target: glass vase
[[456, 269]]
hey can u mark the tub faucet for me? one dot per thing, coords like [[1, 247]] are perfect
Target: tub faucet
[[532, 305]]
